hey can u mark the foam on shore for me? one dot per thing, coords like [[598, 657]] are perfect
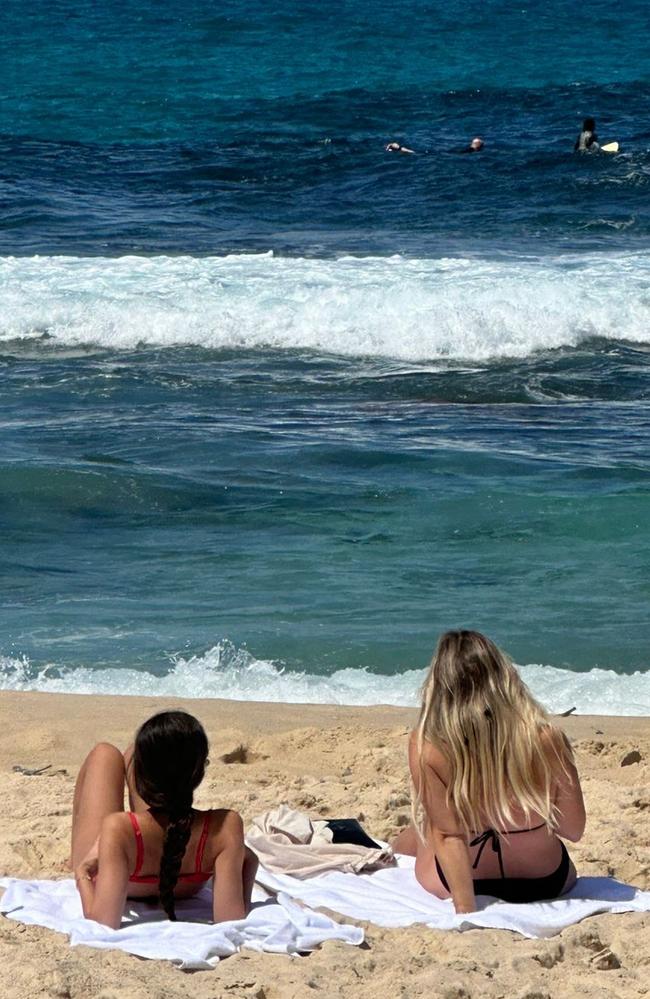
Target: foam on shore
[[227, 672]]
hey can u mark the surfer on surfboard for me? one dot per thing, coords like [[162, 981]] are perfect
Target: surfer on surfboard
[[587, 140]]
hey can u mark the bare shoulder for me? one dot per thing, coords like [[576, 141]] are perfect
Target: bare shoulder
[[555, 744], [432, 754], [226, 825]]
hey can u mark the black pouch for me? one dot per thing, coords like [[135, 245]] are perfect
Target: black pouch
[[349, 831]]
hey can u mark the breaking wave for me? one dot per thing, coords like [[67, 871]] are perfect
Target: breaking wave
[[412, 309], [225, 671]]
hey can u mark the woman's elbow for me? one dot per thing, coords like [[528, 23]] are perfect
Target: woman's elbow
[[575, 833], [443, 837], [113, 923], [572, 829]]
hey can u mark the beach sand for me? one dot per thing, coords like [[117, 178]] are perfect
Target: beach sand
[[325, 760]]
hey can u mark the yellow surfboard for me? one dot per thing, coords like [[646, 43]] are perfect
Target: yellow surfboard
[[610, 147]]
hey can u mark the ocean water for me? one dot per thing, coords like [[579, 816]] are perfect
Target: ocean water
[[278, 407]]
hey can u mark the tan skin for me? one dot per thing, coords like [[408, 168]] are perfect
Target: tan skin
[[530, 855], [103, 852]]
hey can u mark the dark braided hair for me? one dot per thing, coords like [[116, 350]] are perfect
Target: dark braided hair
[[169, 758]]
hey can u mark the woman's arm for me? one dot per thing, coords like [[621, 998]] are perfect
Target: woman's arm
[[104, 901], [445, 834], [228, 901], [453, 856], [568, 792]]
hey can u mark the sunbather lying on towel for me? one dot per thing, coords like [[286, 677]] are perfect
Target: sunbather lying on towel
[[164, 847], [495, 784]]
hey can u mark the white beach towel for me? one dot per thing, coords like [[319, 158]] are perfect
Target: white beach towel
[[277, 926], [393, 897]]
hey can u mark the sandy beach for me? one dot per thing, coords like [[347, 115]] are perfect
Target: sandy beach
[[326, 760]]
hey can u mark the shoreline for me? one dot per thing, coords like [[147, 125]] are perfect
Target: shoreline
[[327, 760]]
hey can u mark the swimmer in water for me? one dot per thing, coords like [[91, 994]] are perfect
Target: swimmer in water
[[396, 147], [475, 146], [587, 140]]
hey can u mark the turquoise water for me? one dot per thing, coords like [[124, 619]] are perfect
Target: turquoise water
[[278, 407]]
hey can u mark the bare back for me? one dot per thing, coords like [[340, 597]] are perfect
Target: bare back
[[203, 847], [526, 851]]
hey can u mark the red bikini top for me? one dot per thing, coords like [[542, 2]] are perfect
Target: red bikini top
[[197, 876]]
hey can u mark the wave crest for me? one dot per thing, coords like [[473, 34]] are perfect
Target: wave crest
[[412, 309]]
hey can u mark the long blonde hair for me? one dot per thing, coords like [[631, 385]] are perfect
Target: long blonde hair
[[479, 713]]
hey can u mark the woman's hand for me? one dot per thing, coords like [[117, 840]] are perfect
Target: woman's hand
[[87, 869], [85, 874]]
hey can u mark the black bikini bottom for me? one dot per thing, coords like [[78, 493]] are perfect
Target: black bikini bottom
[[521, 889]]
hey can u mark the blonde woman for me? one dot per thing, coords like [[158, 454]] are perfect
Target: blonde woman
[[494, 780]]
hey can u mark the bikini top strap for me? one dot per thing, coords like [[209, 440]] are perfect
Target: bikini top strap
[[139, 845], [493, 837], [489, 836], [513, 832], [198, 864]]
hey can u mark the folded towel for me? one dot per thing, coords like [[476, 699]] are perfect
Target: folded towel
[[289, 842], [394, 898], [277, 925]]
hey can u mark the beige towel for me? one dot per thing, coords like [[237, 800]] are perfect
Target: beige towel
[[289, 842]]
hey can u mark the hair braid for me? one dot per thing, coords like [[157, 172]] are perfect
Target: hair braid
[[177, 835], [169, 759]]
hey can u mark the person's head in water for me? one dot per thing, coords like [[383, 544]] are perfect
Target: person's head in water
[[397, 147], [170, 754], [476, 144], [589, 125]]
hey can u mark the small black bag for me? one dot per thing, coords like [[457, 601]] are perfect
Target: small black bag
[[349, 831]]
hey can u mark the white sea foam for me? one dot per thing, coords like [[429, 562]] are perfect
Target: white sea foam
[[227, 672], [414, 309]]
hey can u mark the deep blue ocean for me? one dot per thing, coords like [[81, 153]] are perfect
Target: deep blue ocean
[[277, 406]]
